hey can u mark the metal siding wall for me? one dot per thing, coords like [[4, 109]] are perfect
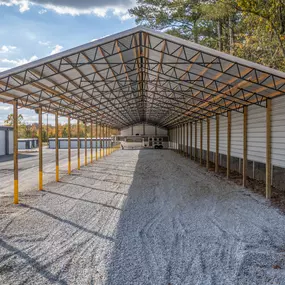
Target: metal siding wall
[[11, 140], [149, 130], [237, 135], [204, 135], [198, 135], [212, 135], [2, 142], [256, 134], [278, 131], [223, 135], [138, 130], [161, 132]]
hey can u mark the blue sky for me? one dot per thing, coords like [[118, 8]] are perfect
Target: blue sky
[[37, 28]]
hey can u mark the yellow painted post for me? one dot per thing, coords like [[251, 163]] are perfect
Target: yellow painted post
[[15, 144], [56, 149], [96, 139], [217, 144], [208, 144], [244, 168], [195, 151], [91, 141], [268, 148], [78, 145], [69, 146], [191, 140], [229, 144], [85, 140], [40, 149], [100, 140]]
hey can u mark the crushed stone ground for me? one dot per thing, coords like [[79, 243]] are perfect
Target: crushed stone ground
[[142, 217]]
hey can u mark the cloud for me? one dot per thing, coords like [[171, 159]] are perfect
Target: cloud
[[17, 62], [44, 43], [99, 8], [43, 11], [56, 49], [6, 49]]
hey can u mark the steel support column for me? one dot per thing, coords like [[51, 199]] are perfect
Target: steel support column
[[229, 144], [191, 140], [201, 142], [69, 145], [96, 139], [268, 148], [217, 144], [56, 149], [85, 145], [208, 144], [40, 149], [91, 141], [78, 145], [244, 168], [195, 151], [15, 144]]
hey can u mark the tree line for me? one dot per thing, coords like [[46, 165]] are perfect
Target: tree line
[[253, 30], [26, 130]]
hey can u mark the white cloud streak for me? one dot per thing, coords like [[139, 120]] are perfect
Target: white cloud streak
[[99, 8], [56, 49]]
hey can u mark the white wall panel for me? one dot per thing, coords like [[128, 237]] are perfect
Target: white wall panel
[[256, 133], [205, 135], [11, 140], [149, 130], [213, 135], [138, 129], [161, 132], [198, 135], [2, 142], [237, 135], [278, 131], [223, 135]]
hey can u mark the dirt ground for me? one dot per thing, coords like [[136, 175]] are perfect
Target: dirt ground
[[142, 217]]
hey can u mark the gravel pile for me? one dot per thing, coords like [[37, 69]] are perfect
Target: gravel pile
[[143, 217]]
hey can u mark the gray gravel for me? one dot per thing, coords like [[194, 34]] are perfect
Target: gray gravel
[[142, 217]]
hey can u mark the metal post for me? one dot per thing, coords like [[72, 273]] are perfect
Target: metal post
[[96, 137], [105, 140], [40, 149], [201, 142], [91, 141], [245, 110], [268, 148], [56, 149], [69, 146], [208, 144], [100, 140], [15, 143], [85, 140], [195, 151], [229, 144], [187, 134], [217, 144], [191, 140], [78, 145]]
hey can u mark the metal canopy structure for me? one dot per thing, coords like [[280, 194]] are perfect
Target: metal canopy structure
[[140, 75]]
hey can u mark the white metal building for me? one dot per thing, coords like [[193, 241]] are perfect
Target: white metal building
[[6, 140]]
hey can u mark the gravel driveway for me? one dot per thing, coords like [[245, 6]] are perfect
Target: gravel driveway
[[142, 217]]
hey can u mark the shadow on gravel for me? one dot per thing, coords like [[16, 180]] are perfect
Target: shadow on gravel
[[53, 279], [67, 222]]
